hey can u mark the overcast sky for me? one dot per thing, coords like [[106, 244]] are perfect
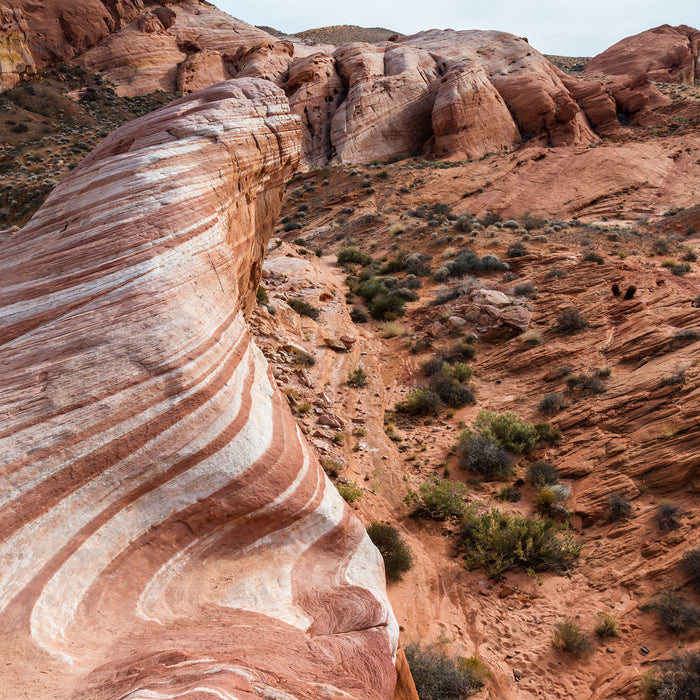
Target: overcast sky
[[552, 26]]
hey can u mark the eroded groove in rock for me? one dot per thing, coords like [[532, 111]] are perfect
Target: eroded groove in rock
[[166, 530]]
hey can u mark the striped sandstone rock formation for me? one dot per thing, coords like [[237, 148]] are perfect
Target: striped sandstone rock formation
[[166, 530]]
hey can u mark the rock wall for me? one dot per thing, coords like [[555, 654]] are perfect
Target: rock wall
[[665, 53], [167, 532]]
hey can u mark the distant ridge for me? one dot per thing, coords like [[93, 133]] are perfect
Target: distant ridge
[[270, 30], [345, 34]]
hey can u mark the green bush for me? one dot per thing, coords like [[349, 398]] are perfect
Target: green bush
[[570, 321], [357, 378], [395, 552], [452, 392], [498, 542], [548, 432], [439, 677], [570, 638], [483, 455], [370, 288], [676, 613], [350, 491], [387, 307], [542, 474], [679, 678], [619, 508], [463, 350], [593, 257], [438, 498], [353, 255], [303, 308], [506, 430], [606, 626], [508, 493], [517, 250], [544, 500], [261, 296], [420, 402]]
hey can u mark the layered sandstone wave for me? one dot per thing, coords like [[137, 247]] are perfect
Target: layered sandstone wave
[[668, 54], [167, 531]]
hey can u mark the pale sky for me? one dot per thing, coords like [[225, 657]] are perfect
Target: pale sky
[[583, 28]]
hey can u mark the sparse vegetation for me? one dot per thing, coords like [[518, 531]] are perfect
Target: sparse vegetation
[[498, 542], [667, 516], [570, 638], [517, 250], [606, 626], [395, 552], [542, 474], [570, 321], [507, 430], [619, 508], [439, 677], [420, 402], [676, 613], [303, 308], [353, 255], [690, 566], [593, 257], [679, 678], [350, 491], [483, 455], [526, 289], [551, 403], [438, 498], [357, 378]]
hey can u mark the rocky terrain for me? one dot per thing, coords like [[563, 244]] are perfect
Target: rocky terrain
[[485, 193]]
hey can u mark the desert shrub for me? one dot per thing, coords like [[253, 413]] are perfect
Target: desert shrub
[[680, 270], [442, 274], [387, 307], [370, 288], [606, 626], [588, 383], [459, 371], [542, 474], [675, 379], [517, 250], [551, 403], [303, 308], [545, 500], [463, 350], [690, 565], [507, 430], [483, 455], [412, 282], [676, 613], [679, 678], [451, 391], [420, 402], [532, 337], [498, 542], [548, 432], [331, 467], [261, 296], [667, 515], [554, 273], [292, 226], [508, 493], [417, 264], [525, 290], [358, 315], [690, 256], [660, 246], [432, 366], [531, 222], [357, 378], [438, 498], [439, 677], [353, 255], [468, 262], [571, 320], [570, 638], [593, 257], [405, 294], [391, 329], [395, 552], [619, 508], [350, 491]]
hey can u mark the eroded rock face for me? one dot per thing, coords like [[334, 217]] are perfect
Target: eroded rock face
[[167, 531], [665, 53]]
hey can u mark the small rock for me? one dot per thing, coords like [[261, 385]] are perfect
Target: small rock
[[335, 344], [644, 650], [610, 650], [331, 420], [517, 674], [505, 591], [348, 339], [455, 322]]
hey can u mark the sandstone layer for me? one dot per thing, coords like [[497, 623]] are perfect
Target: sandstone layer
[[668, 54], [167, 530]]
